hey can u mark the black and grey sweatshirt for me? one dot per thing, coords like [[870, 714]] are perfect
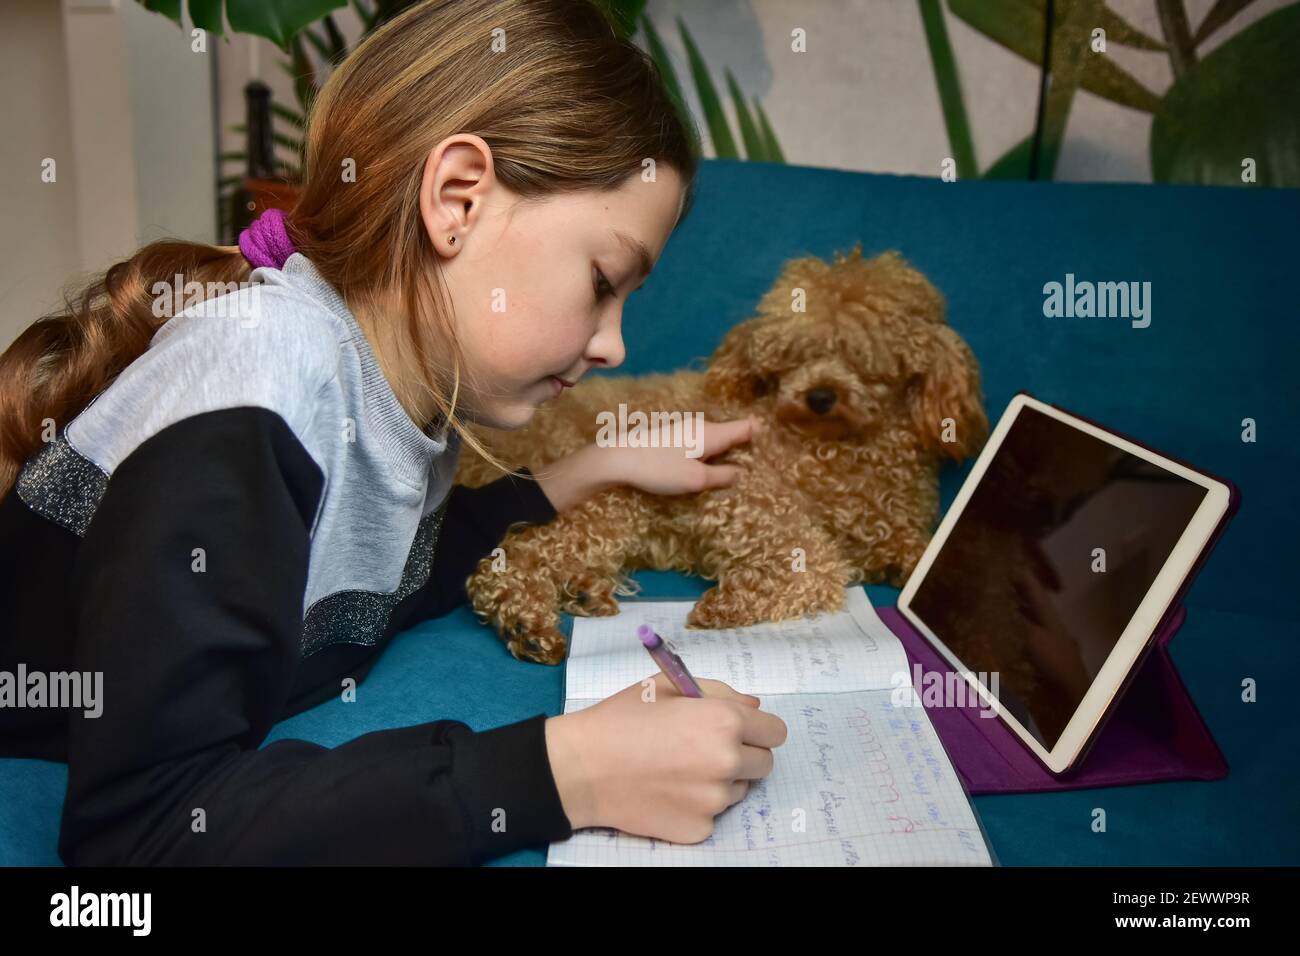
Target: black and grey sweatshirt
[[233, 528]]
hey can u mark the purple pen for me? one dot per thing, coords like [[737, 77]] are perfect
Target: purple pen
[[669, 662]]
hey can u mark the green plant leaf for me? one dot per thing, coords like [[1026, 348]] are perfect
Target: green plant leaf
[[338, 45], [624, 13], [276, 20], [1220, 13], [385, 10], [1014, 24], [668, 74], [948, 80], [774, 153], [1018, 26], [290, 116], [1072, 56], [1242, 100], [659, 54], [206, 15], [319, 45], [304, 74], [367, 17], [171, 9], [724, 147], [1014, 163], [1103, 78], [288, 142], [1118, 30], [754, 146]]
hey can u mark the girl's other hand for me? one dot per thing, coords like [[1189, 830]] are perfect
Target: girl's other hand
[[671, 471]]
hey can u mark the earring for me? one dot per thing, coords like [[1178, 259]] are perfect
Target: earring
[[451, 240]]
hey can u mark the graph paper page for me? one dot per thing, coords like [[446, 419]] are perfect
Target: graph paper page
[[858, 782], [829, 653]]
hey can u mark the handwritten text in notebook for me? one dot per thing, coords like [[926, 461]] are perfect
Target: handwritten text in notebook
[[858, 781]]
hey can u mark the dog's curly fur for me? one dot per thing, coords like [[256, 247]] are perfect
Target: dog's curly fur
[[855, 486]]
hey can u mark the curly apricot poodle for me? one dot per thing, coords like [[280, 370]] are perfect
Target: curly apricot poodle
[[862, 388]]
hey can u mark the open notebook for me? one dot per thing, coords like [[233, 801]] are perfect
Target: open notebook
[[858, 782]]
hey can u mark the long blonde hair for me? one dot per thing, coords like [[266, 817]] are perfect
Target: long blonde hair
[[566, 106]]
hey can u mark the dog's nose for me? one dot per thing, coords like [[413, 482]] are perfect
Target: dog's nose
[[820, 400]]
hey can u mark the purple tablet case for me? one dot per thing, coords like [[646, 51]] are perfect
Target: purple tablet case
[[1151, 734]]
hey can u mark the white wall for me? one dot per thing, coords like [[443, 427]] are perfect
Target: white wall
[[171, 94], [115, 96], [38, 223]]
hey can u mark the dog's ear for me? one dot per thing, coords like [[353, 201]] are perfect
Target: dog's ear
[[946, 401], [729, 377]]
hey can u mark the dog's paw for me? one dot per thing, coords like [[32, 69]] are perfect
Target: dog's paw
[[717, 609], [589, 595], [737, 606], [544, 646]]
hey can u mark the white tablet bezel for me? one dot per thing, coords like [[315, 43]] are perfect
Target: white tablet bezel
[[1136, 636]]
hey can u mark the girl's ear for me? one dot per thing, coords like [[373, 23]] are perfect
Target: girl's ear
[[728, 379], [946, 403]]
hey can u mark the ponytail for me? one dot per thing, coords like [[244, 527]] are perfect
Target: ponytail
[[64, 359]]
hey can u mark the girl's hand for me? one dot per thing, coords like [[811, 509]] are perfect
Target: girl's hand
[[658, 764], [670, 471], [571, 480]]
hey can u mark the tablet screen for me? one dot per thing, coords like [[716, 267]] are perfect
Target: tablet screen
[[1047, 563]]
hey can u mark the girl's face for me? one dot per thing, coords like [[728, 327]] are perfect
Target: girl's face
[[537, 288]]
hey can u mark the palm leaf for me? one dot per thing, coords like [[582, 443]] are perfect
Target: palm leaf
[[724, 146], [367, 17], [304, 74], [949, 83], [754, 145], [1014, 163], [1018, 26], [293, 117], [288, 142], [773, 148], [1219, 14], [624, 14], [1122, 32], [668, 74]]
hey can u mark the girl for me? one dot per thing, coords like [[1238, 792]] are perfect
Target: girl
[[228, 514]]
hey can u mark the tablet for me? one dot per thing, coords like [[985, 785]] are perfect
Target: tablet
[[1059, 558]]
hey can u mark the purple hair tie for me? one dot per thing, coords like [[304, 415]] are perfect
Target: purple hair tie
[[266, 242]]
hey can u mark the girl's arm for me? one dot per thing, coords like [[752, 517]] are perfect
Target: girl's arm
[[196, 668], [477, 519]]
